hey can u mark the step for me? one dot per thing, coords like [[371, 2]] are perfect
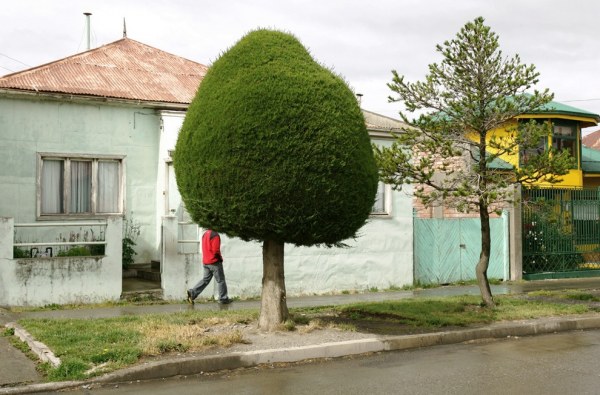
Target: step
[[144, 295], [149, 274], [141, 265]]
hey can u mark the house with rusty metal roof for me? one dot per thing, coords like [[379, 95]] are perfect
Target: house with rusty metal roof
[[85, 143], [88, 188]]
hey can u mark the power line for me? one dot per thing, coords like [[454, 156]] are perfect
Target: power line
[[6, 68], [16, 60]]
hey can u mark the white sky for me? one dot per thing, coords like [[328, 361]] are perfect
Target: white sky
[[363, 40]]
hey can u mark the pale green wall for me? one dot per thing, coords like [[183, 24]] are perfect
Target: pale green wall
[[31, 126]]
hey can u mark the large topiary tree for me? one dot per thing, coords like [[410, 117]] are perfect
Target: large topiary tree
[[274, 148]]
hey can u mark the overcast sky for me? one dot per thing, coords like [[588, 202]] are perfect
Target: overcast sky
[[363, 40]]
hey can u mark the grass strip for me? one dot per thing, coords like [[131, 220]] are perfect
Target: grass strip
[[89, 347]]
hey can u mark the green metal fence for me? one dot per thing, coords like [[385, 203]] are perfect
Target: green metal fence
[[561, 230]]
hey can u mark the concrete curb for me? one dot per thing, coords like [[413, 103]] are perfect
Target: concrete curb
[[197, 364], [38, 348]]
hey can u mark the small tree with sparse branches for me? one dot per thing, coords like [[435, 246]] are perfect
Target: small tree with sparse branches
[[449, 152]]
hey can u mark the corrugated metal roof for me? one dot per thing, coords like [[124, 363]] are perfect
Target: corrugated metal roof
[[590, 160], [376, 121], [592, 140], [124, 69], [560, 108]]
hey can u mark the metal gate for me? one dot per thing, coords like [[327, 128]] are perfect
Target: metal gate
[[447, 250], [561, 230]]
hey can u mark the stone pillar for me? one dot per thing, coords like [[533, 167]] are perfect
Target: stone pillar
[[7, 226], [7, 231], [516, 236], [112, 264], [175, 276]]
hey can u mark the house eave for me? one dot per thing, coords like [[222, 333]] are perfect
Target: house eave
[[56, 96], [386, 134]]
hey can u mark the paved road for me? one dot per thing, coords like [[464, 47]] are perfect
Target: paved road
[[565, 363]]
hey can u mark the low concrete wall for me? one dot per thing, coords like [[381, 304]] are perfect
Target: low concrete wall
[[60, 280]]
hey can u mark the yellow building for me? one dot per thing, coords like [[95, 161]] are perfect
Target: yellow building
[[567, 123]]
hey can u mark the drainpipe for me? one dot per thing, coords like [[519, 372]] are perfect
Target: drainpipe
[[87, 30]]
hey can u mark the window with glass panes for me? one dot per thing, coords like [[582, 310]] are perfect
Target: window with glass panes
[[80, 185], [382, 204], [526, 154], [564, 137]]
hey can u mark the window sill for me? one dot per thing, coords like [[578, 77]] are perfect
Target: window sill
[[380, 215], [72, 217]]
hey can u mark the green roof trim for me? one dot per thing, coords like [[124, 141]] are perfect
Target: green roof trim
[[554, 107], [590, 160], [500, 164], [496, 163]]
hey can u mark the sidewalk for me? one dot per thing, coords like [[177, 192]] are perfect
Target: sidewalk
[[18, 374]]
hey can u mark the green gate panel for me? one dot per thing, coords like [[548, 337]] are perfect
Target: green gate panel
[[435, 254], [447, 250]]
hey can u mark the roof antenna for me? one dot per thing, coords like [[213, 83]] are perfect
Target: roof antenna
[[87, 30], [124, 29]]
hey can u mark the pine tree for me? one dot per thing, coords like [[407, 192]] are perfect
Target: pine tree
[[450, 150]]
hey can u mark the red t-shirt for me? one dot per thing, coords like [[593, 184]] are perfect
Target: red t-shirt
[[211, 247]]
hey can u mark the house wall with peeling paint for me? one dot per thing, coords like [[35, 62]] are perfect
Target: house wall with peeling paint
[[380, 257], [33, 125], [60, 280]]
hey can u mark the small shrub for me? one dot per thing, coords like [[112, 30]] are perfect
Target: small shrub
[[128, 252], [20, 253], [289, 325], [131, 231], [8, 332], [75, 251]]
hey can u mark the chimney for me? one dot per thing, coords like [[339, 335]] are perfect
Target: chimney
[[359, 98], [87, 30]]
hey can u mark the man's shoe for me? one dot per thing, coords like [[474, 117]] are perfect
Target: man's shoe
[[225, 301], [189, 297]]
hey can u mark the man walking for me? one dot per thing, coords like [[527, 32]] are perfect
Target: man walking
[[213, 266]]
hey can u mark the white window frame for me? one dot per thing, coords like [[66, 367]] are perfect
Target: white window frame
[[387, 202], [67, 158]]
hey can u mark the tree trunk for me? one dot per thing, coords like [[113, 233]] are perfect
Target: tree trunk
[[273, 309], [484, 257]]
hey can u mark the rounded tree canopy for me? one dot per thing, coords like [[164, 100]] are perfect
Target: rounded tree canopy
[[274, 147]]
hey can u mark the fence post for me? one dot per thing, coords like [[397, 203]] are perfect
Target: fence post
[[7, 232], [173, 275], [113, 263], [516, 236]]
